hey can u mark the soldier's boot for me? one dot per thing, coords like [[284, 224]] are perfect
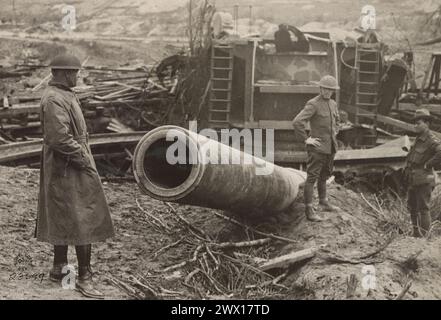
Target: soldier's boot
[[416, 232], [60, 261], [56, 273], [85, 284], [415, 225], [426, 222], [323, 200], [310, 213]]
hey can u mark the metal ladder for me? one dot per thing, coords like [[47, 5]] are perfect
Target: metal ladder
[[221, 86], [368, 63]]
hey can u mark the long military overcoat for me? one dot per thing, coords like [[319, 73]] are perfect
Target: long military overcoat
[[72, 208]]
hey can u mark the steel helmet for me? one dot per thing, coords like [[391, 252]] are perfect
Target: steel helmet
[[329, 82], [65, 61], [422, 114]]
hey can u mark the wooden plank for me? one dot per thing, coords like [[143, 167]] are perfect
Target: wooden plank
[[157, 85], [390, 121], [290, 157], [273, 124], [428, 42], [249, 82], [123, 103], [27, 99], [253, 79], [112, 95], [336, 72], [286, 260], [435, 108], [370, 154], [305, 89], [28, 125], [93, 68], [426, 75], [402, 142], [344, 166], [343, 156], [19, 109], [296, 53], [384, 119], [266, 124], [129, 86]]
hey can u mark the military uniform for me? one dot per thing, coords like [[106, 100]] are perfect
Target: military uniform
[[72, 208], [324, 121], [424, 155]]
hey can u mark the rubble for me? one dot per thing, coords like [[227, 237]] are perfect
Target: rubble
[[197, 252], [148, 104], [357, 235]]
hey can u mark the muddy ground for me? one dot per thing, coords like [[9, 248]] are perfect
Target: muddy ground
[[354, 231], [352, 235]]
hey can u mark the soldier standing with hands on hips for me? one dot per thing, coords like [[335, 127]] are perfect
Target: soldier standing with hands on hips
[[321, 145]]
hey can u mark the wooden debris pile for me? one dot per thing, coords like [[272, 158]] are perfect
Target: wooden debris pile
[[225, 270], [212, 269], [16, 72], [113, 100], [237, 260]]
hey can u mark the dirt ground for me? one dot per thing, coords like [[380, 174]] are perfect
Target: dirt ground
[[353, 231], [353, 235], [128, 252]]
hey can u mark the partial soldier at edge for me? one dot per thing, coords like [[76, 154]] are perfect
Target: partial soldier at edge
[[423, 158]]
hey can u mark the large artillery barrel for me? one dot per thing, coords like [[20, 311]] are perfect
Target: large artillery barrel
[[239, 188]]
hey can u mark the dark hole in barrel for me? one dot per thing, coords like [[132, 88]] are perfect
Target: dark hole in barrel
[[159, 171]]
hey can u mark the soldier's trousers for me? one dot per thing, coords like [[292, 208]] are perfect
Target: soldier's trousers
[[319, 168], [418, 201]]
